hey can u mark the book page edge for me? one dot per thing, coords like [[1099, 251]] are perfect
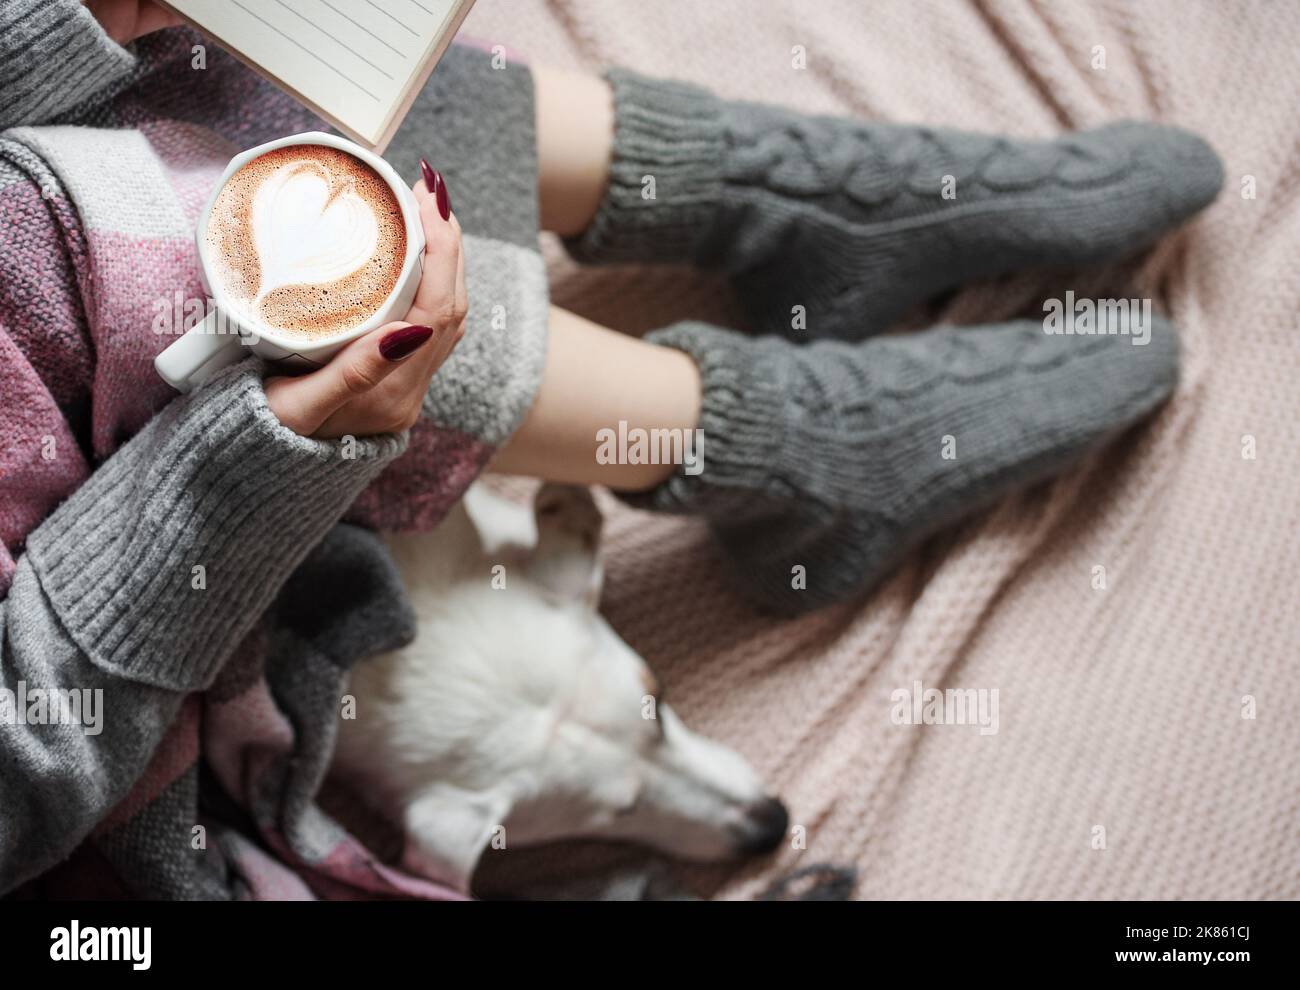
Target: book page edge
[[394, 121], [371, 142]]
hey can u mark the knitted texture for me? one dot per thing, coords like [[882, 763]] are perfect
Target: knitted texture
[[841, 225], [1122, 705], [826, 463], [216, 484], [150, 545], [66, 61]]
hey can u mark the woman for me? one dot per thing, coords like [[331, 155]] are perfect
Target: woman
[[197, 574]]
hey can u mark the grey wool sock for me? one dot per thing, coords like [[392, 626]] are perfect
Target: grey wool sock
[[855, 221], [840, 458]]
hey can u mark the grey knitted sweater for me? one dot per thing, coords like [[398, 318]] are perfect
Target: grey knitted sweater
[[133, 570]]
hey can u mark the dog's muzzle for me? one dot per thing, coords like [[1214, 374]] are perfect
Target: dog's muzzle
[[764, 827]]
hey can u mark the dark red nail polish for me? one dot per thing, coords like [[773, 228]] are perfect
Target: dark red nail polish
[[444, 200], [402, 342], [430, 176]]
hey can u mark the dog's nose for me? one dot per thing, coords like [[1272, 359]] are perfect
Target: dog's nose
[[766, 822]]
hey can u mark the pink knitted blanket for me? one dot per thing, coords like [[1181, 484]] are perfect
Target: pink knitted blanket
[[1147, 738]]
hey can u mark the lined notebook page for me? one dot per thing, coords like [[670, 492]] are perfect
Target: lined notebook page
[[355, 61]]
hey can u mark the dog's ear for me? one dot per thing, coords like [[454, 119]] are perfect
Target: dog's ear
[[566, 561], [447, 829]]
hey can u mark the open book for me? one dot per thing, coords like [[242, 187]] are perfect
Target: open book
[[358, 63]]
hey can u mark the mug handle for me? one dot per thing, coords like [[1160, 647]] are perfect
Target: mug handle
[[199, 354]]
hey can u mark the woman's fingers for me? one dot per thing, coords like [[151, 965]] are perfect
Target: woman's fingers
[[154, 17], [378, 383], [462, 297], [441, 300], [126, 20], [436, 301], [305, 403]]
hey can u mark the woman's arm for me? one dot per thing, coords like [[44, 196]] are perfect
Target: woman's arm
[[141, 584], [56, 54]]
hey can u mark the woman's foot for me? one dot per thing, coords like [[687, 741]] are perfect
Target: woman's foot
[[856, 222], [825, 463]]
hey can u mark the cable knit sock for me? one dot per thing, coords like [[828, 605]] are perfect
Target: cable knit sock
[[839, 458], [856, 222]]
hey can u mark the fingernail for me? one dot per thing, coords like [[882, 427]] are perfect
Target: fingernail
[[444, 200], [436, 184], [401, 342]]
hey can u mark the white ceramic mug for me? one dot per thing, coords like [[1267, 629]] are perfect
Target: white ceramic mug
[[222, 339]]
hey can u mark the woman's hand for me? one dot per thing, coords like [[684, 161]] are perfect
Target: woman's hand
[[378, 382], [126, 20]]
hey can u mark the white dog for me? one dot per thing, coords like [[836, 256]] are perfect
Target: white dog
[[519, 712]]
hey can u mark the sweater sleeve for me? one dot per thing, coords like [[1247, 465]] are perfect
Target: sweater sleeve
[[139, 586], [54, 56]]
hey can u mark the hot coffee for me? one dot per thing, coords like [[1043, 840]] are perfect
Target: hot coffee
[[308, 240]]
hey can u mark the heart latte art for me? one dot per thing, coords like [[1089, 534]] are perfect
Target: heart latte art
[[307, 239]]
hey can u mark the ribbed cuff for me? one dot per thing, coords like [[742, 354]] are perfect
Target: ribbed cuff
[[53, 56], [163, 561], [672, 133], [741, 404]]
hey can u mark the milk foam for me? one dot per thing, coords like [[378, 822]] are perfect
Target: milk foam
[[307, 239]]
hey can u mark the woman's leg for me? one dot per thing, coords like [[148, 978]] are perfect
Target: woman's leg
[[575, 134], [840, 225], [594, 379], [828, 461]]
